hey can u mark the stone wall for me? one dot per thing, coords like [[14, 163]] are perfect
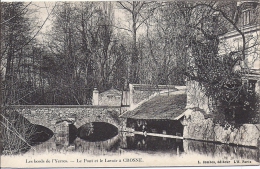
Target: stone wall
[[110, 97], [49, 116], [198, 128], [196, 96], [111, 100]]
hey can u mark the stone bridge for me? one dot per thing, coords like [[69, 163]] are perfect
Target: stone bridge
[[50, 115]]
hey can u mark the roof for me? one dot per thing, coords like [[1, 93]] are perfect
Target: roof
[[162, 106]]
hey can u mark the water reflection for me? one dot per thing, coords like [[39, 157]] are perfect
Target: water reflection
[[59, 144], [97, 131], [154, 144], [36, 135], [122, 142], [98, 148], [220, 151]]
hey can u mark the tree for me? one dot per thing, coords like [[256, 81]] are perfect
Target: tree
[[139, 11], [165, 48], [64, 46], [84, 50], [18, 74], [15, 49]]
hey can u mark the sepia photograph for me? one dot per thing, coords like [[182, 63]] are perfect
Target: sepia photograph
[[129, 83]]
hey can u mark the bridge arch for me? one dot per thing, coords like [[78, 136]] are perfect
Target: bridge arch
[[49, 115], [108, 116]]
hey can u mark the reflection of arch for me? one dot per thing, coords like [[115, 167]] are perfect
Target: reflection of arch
[[97, 131], [97, 148], [80, 122]]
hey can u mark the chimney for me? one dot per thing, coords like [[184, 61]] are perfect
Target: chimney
[[95, 97]]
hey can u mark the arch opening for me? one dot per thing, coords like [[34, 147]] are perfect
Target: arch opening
[[40, 134]]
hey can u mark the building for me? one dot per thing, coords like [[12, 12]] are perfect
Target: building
[[232, 41], [248, 23], [160, 114], [111, 97], [155, 109]]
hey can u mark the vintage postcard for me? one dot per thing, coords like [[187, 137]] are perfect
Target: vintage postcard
[[130, 83]]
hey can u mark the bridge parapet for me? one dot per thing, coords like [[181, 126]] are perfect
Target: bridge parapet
[[49, 115]]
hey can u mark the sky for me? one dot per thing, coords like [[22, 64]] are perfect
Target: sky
[[42, 9], [46, 7]]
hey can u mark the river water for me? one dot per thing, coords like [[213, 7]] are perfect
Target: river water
[[89, 141]]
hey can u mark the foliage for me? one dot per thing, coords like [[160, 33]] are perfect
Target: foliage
[[244, 110], [85, 51]]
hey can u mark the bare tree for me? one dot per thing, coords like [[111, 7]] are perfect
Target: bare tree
[[139, 11], [84, 49], [165, 48], [16, 49]]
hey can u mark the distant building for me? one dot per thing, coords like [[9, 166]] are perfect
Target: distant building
[[111, 97]]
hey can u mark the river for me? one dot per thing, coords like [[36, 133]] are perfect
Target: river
[[99, 143]]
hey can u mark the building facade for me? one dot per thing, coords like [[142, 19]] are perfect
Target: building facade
[[232, 41], [243, 38]]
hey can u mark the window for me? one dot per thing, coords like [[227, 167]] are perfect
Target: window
[[249, 12], [246, 17], [239, 47]]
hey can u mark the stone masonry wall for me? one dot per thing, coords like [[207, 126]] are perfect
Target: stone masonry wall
[[48, 116], [111, 100], [196, 96], [198, 128]]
